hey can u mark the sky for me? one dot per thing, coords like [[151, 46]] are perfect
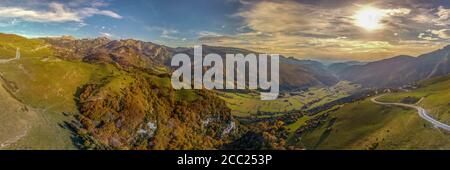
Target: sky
[[326, 30]]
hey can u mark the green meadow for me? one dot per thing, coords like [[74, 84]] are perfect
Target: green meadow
[[248, 104]]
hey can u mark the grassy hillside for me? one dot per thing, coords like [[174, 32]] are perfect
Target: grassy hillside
[[436, 97], [46, 85], [365, 125], [15, 118]]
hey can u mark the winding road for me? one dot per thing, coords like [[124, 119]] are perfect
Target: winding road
[[422, 113]]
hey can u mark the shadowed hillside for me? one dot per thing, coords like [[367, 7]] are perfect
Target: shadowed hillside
[[400, 70]]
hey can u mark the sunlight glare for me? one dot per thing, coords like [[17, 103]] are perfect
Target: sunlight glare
[[369, 18]]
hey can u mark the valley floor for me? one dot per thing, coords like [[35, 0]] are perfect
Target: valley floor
[[363, 124]]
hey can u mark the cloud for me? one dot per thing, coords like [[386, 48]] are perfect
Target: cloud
[[9, 23], [107, 35], [208, 34], [427, 36], [99, 4], [166, 33], [443, 33], [443, 16], [398, 11], [88, 12], [316, 29], [56, 12]]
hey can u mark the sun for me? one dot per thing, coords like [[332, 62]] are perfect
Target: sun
[[369, 18]]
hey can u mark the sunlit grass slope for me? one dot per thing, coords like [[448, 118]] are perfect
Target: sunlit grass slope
[[436, 97], [365, 125]]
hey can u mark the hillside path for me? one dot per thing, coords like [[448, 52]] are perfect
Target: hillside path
[[2, 61]]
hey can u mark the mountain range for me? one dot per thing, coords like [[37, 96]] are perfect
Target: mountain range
[[294, 73], [399, 70]]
